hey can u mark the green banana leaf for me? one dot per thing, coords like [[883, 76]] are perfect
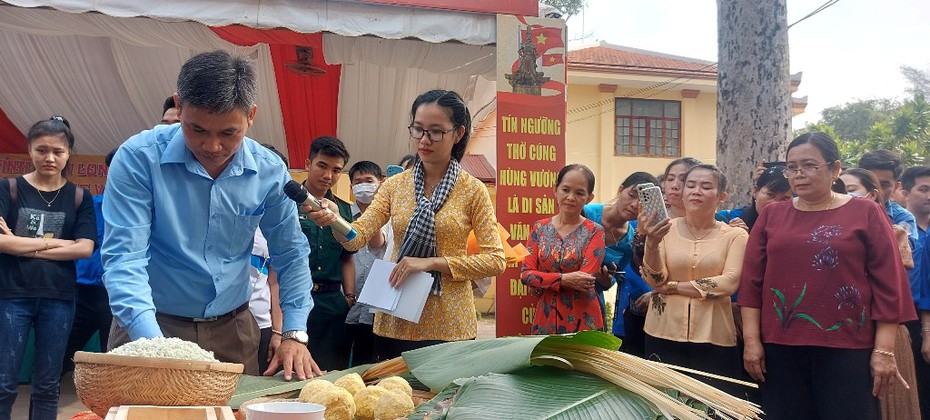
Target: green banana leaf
[[541, 393], [440, 365], [250, 387]]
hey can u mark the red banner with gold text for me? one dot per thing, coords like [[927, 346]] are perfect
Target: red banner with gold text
[[530, 145]]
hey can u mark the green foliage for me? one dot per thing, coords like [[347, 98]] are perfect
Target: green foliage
[[569, 7], [905, 128], [853, 120]]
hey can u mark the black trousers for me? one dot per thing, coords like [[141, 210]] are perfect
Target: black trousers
[[263, 341], [389, 348], [634, 340], [360, 340], [921, 368], [91, 315], [807, 382], [705, 357], [327, 328]]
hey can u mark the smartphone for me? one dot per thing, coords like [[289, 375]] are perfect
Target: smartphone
[[394, 170], [653, 203]]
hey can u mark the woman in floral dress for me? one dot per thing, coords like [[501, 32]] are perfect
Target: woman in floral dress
[[565, 251]]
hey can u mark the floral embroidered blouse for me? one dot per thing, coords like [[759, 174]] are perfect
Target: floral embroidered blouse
[[822, 278], [451, 316], [712, 265], [563, 310]]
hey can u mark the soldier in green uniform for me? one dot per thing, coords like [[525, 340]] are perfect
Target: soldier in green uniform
[[331, 266]]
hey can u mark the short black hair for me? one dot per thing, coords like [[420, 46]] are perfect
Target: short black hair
[[407, 161], [328, 146], [217, 82], [109, 159], [366, 167], [882, 159], [637, 178], [910, 175], [773, 179], [169, 103], [277, 152]]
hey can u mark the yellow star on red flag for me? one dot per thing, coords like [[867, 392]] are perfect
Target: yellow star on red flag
[[541, 39]]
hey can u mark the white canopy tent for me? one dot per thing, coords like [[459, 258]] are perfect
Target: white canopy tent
[[109, 72]]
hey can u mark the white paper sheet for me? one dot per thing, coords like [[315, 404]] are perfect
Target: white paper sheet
[[408, 301], [377, 291]]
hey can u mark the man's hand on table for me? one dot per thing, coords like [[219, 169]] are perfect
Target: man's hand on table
[[294, 357]]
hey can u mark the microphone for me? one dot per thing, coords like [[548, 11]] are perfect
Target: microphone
[[297, 193]]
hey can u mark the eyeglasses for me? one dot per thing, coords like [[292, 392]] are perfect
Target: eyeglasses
[[793, 170], [433, 135]]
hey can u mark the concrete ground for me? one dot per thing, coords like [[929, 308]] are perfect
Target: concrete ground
[[69, 404]]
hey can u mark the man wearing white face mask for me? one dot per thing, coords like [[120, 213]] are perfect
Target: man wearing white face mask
[[366, 177]]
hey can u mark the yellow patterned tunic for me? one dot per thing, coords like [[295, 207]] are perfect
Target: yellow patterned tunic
[[450, 317]]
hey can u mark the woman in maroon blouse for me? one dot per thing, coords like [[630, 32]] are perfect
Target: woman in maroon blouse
[[822, 293]]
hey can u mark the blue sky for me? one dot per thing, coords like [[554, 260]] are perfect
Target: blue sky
[[852, 50]]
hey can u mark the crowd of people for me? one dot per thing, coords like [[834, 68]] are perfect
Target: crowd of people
[[805, 291]]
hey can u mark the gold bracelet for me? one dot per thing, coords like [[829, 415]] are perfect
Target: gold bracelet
[[883, 353], [46, 243], [671, 287]]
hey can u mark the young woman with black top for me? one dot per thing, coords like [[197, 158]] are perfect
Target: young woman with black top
[[47, 223]]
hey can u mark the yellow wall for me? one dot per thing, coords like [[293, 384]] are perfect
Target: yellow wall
[[342, 189], [590, 136]]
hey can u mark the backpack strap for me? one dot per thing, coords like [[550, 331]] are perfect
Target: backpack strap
[[13, 188], [78, 196], [78, 193]]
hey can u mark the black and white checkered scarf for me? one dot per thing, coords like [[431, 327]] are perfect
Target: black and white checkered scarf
[[420, 240]]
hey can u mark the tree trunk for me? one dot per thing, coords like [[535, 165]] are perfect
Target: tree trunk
[[753, 96]]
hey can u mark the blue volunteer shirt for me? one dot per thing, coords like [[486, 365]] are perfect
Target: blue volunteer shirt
[[180, 241], [90, 270], [900, 216], [919, 276]]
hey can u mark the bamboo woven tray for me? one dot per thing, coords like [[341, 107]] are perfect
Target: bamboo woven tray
[[108, 380]]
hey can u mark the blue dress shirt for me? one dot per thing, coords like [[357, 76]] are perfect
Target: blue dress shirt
[[180, 241], [90, 270], [900, 216]]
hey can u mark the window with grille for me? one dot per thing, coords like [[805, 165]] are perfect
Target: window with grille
[[648, 127]]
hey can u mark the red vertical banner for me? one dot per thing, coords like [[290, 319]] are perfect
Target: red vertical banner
[[530, 145]]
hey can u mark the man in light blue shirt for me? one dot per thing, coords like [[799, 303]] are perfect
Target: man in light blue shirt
[[887, 167], [183, 202]]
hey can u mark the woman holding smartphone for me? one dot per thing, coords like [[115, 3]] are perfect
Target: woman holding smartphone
[[693, 264]]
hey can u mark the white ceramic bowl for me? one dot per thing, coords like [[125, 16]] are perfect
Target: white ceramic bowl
[[285, 410]]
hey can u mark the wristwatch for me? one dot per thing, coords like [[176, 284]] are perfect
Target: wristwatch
[[296, 335]]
